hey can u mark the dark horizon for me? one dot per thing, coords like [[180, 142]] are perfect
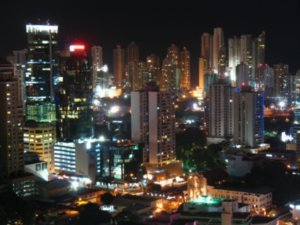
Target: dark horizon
[[155, 27]]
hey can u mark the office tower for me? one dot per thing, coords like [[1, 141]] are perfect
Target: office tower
[[281, 75], [119, 66], [74, 98], [11, 123], [248, 117], [264, 79], [153, 123], [132, 60], [40, 138], [220, 124], [185, 65], [242, 75], [41, 72], [97, 62], [81, 157]]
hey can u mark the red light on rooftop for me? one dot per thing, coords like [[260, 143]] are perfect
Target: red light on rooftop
[[74, 48]]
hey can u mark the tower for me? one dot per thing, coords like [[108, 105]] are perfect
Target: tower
[[119, 66], [153, 123], [281, 76], [220, 111], [74, 98], [248, 117], [11, 123], [132, 60], [185, 64], [97, 62], [41, 72]]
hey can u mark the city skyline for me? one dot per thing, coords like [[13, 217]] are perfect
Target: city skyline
[[155, 27]]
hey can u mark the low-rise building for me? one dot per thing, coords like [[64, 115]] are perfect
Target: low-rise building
[[259, 199]]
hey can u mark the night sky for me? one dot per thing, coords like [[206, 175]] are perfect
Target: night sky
[[155, 25]]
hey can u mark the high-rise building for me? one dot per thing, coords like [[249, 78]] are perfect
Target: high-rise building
[[185, 65], [281, 79], [206, 48], [171, 71], [248, 50], [213, 58], [248, 117], [74, 98], [264, 80], [11, 123], [234, 55], [217, 48], [220, 124], [153, 123], [40, 138], [132, 60], [41, 72], [202, 68], [149, 71], [242, 75], [97, 62], [119, 66]]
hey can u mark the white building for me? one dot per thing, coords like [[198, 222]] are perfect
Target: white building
[[81, 157], [153, 123], [220, 111], [258, 199], [248, 117]]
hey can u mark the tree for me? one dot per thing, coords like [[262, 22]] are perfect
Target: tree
[[107, 198], [88, 214]]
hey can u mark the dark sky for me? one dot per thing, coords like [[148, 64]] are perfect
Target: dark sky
[[154, 25]]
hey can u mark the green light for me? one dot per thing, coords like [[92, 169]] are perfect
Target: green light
[[207, 200], [136, 147]]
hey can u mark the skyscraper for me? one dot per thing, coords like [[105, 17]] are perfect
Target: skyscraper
[[218, 45], [74, 98], [150, 71], [220, 124], [234, 55], [132, 60], [242, 75], [264, 79], [171, 72], [41, 72], [11, 123], [248, 117], [119, 66], [247, 50], [185, 65], [281, 76], [153, 123], [97, 62]]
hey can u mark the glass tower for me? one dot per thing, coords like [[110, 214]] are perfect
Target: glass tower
[[74, 96], [41, 71]]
